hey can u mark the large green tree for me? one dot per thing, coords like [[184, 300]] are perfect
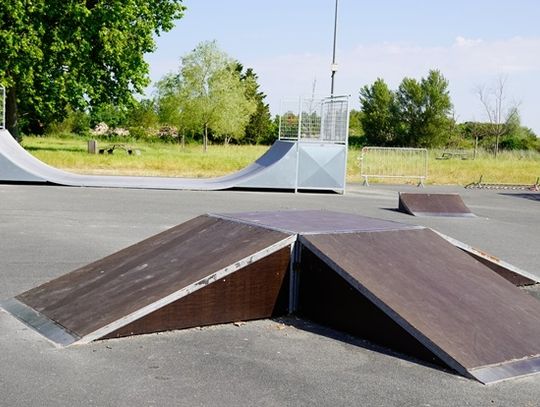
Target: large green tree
[[79, 54], [424, 111], [207, 95], [378, 119], [418, 114], [259, 127]]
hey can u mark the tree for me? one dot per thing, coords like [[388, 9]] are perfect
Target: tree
[[355, 123], [259, 126], [418, 114], [424, 111], [378, 122], [58, 55], [209, 94], [499, 113]]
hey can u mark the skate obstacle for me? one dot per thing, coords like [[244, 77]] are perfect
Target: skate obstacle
[[311, 154], [420, 204], [402, 286]]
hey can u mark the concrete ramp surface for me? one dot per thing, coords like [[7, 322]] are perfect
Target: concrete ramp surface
[[419, 204], [283, 166]]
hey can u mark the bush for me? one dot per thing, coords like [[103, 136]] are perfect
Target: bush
[[75, 122], [113, 116]]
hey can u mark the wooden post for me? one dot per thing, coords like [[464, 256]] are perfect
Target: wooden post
[[92, 146]]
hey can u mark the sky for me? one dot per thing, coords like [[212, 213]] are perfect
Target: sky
[[288, 43]]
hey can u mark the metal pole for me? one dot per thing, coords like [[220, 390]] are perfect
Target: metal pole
[[3, 116], [334, 65]]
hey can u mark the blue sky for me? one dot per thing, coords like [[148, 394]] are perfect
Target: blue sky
[[289, 45]]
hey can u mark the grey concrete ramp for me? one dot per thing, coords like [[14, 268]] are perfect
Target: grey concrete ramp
[[183, 277], [421, 289], [420, 204], [276, 169]]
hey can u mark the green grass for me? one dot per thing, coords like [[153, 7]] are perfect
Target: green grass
[[511, 167], [190, 161], [154, 159]]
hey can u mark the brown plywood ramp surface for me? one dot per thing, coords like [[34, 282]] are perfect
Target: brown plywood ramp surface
[[470, 318], [419, 204], [101, 298]]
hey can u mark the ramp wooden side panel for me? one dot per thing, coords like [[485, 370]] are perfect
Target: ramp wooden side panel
[[472, 319], [259, 290], [328, 299], [419, 204], [151, 274]]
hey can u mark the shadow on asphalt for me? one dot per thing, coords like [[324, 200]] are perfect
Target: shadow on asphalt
[[527, 195], [312, 327]]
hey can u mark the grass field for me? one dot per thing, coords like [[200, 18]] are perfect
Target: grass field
[[190, 161]]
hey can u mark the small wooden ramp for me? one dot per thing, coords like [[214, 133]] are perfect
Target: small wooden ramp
[[205, 271], [412, 287], [419, 204]]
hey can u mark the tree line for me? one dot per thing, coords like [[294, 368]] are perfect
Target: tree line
[[420, 114]]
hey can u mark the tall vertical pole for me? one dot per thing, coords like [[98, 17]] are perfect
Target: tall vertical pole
[[334, 65], [3, 107]]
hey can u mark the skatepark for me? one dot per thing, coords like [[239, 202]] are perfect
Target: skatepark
[[49, 231], [424, 279]]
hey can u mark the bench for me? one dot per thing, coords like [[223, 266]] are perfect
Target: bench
[[110, 149], [454, 154]]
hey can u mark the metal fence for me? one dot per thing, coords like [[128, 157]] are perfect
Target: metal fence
[[2, 107], [321, 120], [390, 162]]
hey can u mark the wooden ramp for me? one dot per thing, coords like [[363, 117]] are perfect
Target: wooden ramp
[[418, 204], [412, 287], [205, 271], [403, 286]]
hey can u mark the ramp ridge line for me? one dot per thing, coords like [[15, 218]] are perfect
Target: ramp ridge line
[[451, 362], [250, 223], [99, 333], [464, 246], [307, 233], [51, 330]]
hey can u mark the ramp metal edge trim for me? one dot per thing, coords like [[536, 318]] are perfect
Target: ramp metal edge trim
[[439, 352], [446, 214], [489, 257], [509, 370], [185, 291], [48, 328]]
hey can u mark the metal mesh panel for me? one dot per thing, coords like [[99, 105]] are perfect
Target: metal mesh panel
[[289, 120], [2, 107], [311, 119], [388, 162], [335, 114]]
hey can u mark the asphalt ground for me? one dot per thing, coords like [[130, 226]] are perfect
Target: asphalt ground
[[46, 231]]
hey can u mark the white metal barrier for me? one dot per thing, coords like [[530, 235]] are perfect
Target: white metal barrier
[[394, 162]]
